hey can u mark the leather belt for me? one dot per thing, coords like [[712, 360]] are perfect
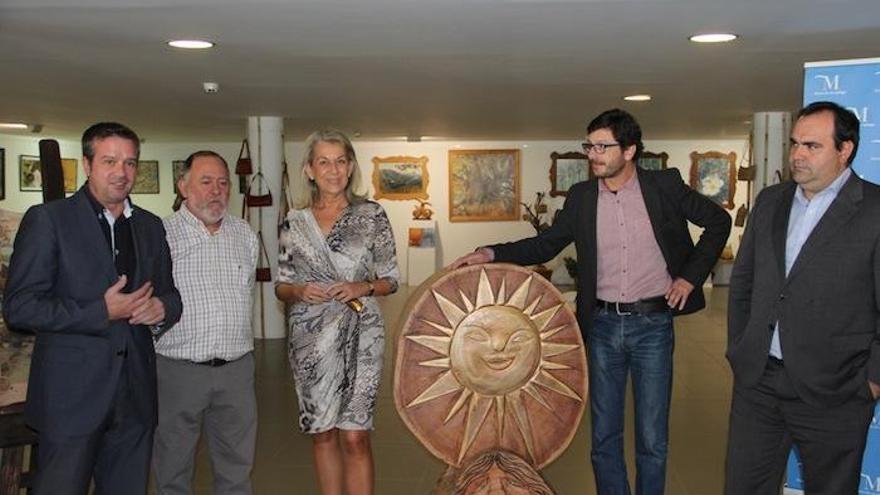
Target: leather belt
[[640, 307], [214, 363]]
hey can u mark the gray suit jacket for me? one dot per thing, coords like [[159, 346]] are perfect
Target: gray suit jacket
[[828, 307], [60, 268]]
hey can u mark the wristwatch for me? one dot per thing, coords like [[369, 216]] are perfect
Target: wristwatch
[[372, 288]]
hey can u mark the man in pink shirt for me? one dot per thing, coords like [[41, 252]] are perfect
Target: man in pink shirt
[[638, 267]]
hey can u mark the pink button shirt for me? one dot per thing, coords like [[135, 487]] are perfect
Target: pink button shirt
[[630, 265]]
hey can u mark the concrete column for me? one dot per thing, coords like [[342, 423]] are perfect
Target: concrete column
[[265, 135]]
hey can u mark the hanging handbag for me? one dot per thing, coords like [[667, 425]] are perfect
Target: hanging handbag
[[252, 198], [286, 201], [244, 166], [264, 273]]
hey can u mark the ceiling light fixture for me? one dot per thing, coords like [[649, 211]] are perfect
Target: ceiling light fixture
[[637, 98], [713, 38], [191, 44], [13, 125]]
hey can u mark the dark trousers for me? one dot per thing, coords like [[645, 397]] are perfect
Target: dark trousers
[[766, 420], [117, 455]]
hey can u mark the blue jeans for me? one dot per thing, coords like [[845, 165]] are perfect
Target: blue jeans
[[619, 344]]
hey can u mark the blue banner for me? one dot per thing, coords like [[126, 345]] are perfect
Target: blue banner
[[854, 84]]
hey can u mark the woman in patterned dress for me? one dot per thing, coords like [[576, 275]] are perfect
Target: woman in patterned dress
[[336, 256]]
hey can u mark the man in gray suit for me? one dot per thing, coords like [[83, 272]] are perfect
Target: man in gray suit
[[804, 317]]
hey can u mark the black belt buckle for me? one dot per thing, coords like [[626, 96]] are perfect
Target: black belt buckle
[[640, 307]]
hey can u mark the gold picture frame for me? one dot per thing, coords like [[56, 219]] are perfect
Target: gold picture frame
[[69, 167], [653, 161], [147, 179], [484, 185], [566, 170], [713, 174], [400, 178], [31, 177]]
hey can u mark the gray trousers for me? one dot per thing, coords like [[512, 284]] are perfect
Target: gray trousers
[[222, 398]]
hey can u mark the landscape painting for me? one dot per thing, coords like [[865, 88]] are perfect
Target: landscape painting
[[400, 177]]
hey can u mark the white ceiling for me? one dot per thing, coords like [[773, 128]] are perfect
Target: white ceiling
[[461, 69]]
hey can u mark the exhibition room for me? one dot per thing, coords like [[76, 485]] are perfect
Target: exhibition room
[[469, 120]]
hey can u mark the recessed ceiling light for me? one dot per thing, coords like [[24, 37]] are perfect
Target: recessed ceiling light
[[713, 38], [12, 125], [191, 44], [637, 98]]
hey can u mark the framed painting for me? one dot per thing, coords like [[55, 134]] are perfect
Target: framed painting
[[147, 179], [421, 237], [69, 168], [177, 173], [400, 177], [713, 174], [566, 170], [30, 178], [653, 161], [2, 174], [484, 185]]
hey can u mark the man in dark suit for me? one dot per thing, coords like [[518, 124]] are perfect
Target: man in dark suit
[[637, 268], [804, 317], [90, 275]]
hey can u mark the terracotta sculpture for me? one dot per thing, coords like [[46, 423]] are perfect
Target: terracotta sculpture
[[422, 211], [492, 360], [499, 472]]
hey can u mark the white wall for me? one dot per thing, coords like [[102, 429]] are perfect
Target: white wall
[[165, 153], [455, 238]]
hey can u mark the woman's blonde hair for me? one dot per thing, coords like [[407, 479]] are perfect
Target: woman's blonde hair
[[305, 190]]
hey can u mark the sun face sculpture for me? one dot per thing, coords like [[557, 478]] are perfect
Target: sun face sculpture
[[490, 357]]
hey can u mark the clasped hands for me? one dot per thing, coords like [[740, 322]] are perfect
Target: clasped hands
[[317, 293], [139, 306]]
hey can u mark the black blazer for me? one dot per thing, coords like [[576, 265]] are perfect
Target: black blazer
[[670, 205], [60, 268], [828, 307]]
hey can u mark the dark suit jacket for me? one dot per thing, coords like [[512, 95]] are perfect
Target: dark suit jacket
[[828, 307], [60, 268], [670, 205]]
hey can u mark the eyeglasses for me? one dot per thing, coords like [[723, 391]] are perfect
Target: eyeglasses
[[598, 148]]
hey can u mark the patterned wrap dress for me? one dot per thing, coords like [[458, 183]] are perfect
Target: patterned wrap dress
[[336, 353]]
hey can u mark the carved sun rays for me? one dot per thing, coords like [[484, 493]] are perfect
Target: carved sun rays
[[477, 406]]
